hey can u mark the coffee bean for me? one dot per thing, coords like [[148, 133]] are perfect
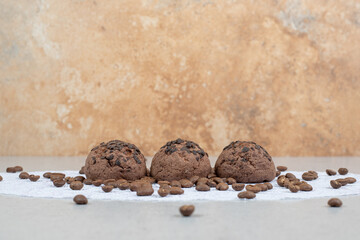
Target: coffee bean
[[263, 187], [82, 170], [343, 171], [176, 191], [79, 178], [290, 176], [148, 179], [18, 168], [281, 168], [97, 183], [330, 172], [247, 195], [253, 188], [335, 202], [165, 186], [55, 176], [230, 181], [281, 180], [202, 187], [80, 199], [87, 181], [211, 183], [34, 178], [287, 182], [278, 173], [124, 186], [175, 183], [187, 210], [163, 182], [217, 180], [335, 184], [269, 185], [10, 170], [59, 183], [1, 178], [202, 180], [350, 180], [305, 187], [76, 185], [222, 187], [185, 183], [68, 180], [194, 179], [145, 190], [238, 186], [294, 188], [135, 185], [47, 175], [24, 175], [211, 175], [107, 188], [163, 192], [308, 176], [342, 181], [107, 181]]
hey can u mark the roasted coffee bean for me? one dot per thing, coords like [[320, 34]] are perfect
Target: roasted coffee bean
[[294, 188], [269, 185], [230, 181], [163, 182], [280, 181], [145, 190], [330, 172], [305, 187], [79, 178], [10, 170], [124, 185], [238, 186], [263, 187], [135, 185], [1, 178], [218, 180], [290, 176], [281, 168], [247, 195], [187, 210], [114, 184], [68, 180], [148, 179], [82, 170], [163, 192], [24, 175], [108, 181], [175, 183], [295, 181], [308, 176], [185, 183], [350, 180], [222, 186], [59, 183], [202, 187], [107, 188], [34, 178], [18, 168], [335, 184], [47, 175], [176, 191], [335, 202], [80, 199], [202, 180], [343, 171], [76, 185], [342, 181], [211, 175], [287, 182], [314, 173], [252, 188], [211, 183], [278, 173], [194, 179], [165, 186], [56, 177], [87, 181]]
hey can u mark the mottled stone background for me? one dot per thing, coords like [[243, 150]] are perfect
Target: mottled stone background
[[282, 73]]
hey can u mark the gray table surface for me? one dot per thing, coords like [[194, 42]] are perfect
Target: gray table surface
[[36, 218]]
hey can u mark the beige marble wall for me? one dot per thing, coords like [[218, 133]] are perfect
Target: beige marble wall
[[282, 73]]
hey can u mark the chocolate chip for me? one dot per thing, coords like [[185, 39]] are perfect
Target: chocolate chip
[[117, 162], [247, 195], [335, 202], [330, 172], [245, 149], [343, 171], [238, 186], [107, 188], [76, 185], [335, 184], [137, 159], [187, 210], [176, 191], [10, 170], [110, 157], [24, 175], [222, 187], [80, 199], [59, 183], [202, 187], [163, 192], [34, 178], [281, 168], [94, 160]]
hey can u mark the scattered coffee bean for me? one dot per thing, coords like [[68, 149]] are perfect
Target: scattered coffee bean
[[55, 176], [247, 195], [10, 170], [202, 187], [307, 176], [163, 182], [281, 180], [47, 175], [18, 168], [290, 176], [335, 184], [294, 188], [124, 186], [350, 180], [163, 192], [230, 181], [343, 171], [34, 178], [68, 180], [218, 180], [145, 190], [330, 172], [194, 179], [305, 187], [238, 186], [263, 187], [211, 175], [82, 170], [76, 185], [335, 202], [222, 186], [175, 183], [185, 183], [59, 183], [24, 175], [281, 168], [202, 180], [1, 178], [135, 185], [79, 178], [211, 183], [252, 188], [87, 181], [149, 179], [187, 210], [269, 185], [176, 191], [107, 181], [278, 173], [80, 199], [165, 186], [107, 188], [342, 181]]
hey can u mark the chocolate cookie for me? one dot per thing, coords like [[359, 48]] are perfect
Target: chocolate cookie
[[114, 160], [180, 159], [246, 162]]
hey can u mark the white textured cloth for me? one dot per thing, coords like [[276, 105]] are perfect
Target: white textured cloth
[[44, 188]]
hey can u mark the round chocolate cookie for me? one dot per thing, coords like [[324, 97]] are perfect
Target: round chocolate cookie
[[114, 160], [180, 159], [246, 162]]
